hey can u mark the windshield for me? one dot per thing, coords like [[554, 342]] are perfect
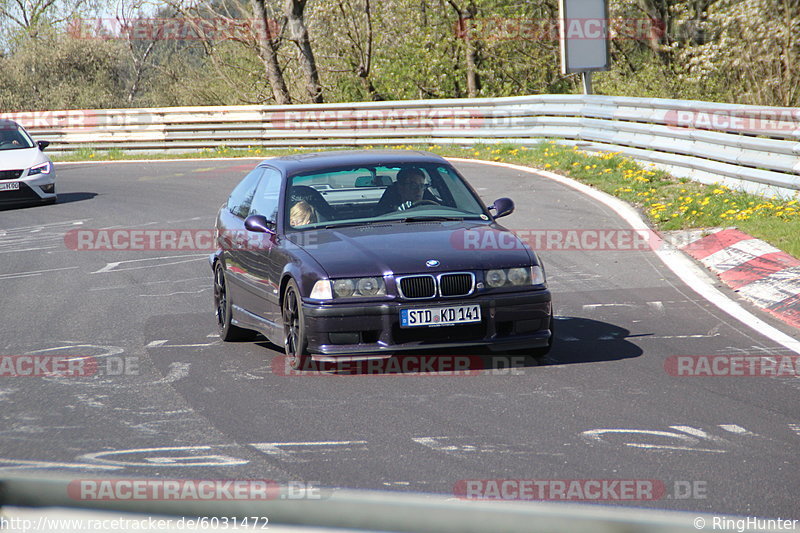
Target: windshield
[[363, 195], [12, 137]]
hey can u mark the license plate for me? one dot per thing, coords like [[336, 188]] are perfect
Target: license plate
[[13, 186], [440, 316]]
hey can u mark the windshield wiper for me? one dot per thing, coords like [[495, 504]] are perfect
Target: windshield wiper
[[435, 218], [350, 224]]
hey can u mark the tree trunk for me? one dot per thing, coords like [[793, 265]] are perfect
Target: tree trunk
[[465, 17], [268, 53], [298, 32]]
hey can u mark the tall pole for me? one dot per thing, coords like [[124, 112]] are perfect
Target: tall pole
[[587, 81]]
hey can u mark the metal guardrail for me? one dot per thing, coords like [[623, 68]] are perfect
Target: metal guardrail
[[743, 146], [351, 510]]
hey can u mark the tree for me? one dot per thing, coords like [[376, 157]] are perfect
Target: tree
[[294, 13]]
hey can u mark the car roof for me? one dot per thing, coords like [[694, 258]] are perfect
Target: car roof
[[6, 124], [309, 162]]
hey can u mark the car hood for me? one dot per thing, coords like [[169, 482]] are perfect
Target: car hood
[[404, 248], [22, 158]]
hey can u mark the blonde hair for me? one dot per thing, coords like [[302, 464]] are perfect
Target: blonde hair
[[301, 214]]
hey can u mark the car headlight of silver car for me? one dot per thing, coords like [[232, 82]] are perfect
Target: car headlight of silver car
[[514, 277], [348, 288], [43, 168]]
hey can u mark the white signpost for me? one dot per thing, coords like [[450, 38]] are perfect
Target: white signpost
[[583, 28]]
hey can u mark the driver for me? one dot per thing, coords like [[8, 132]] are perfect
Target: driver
[[408, 190]]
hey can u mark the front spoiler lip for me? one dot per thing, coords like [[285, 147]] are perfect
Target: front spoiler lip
[[342, 353]]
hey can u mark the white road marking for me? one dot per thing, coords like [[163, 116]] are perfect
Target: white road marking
[[667, 447], [176, 293], [696, 336], [642, 336], [591, 308], [198, 345], [699, 433], [166, 460], [15, 464], [177, 371], [33, 273], [51, 224], [467, 445], [682, 266], [107, 351], [739, 430], [156, 344], [311, 443], [433, 443], [112, 267], [14, 250], [687, 442], [278, 449]]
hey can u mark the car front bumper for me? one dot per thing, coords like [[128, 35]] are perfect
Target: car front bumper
[[509, 321], [32, 190]]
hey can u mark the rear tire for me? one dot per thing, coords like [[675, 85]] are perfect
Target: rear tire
[[222, 309]]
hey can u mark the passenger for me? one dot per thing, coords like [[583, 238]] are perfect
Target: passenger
[[302, 214]]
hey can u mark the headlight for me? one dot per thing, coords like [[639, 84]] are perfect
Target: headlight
[[496, 278], [369, 286], [344, 288], [515, 277], [322, 290], [518, 276], [359, 287], [44, 168]]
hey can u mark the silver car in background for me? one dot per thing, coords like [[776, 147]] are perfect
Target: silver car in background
[[27, 175]]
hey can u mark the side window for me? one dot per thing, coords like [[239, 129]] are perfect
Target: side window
[[265, 201], [242, 195]]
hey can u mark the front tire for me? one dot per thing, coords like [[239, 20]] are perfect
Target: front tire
[[294, 327], [222, 309]]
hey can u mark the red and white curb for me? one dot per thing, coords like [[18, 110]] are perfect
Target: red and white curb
[[758, 271]]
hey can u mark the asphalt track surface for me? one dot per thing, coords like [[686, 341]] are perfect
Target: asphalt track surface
[[190, 406]]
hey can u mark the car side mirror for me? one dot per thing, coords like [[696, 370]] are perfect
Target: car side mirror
[[260, 224], [502, 207], [43, 145]]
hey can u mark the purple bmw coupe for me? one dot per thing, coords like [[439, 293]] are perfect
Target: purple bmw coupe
[[359, 254]]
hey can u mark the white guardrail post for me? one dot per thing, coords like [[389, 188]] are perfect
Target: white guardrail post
[[750, 147]]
